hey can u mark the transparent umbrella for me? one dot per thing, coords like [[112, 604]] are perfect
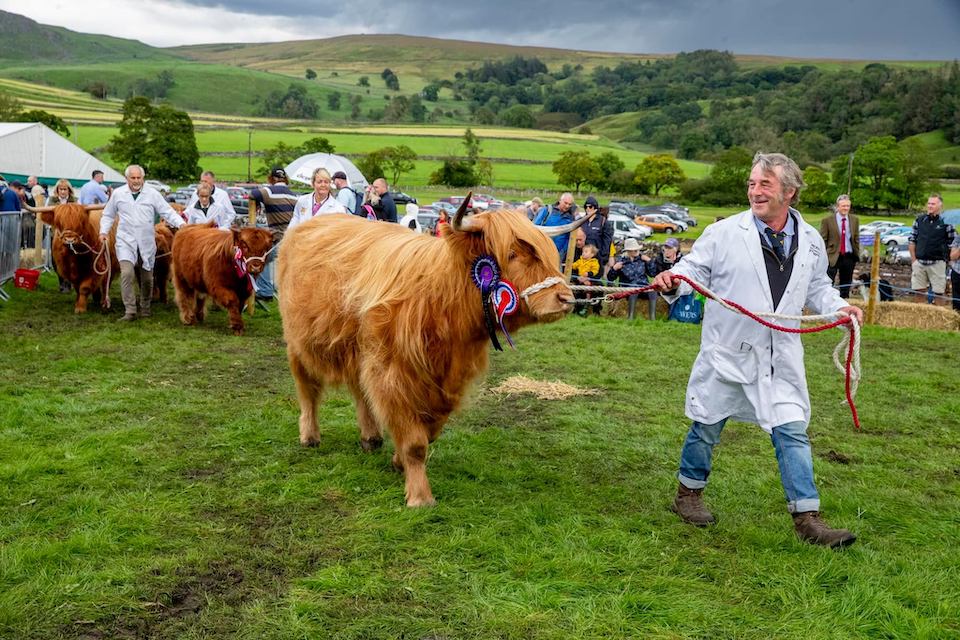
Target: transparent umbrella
[[303, 167]]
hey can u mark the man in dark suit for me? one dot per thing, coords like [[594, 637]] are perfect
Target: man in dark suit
[[841, 235]]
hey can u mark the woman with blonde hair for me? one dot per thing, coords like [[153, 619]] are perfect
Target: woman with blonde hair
[[62, 192], [320, 202]]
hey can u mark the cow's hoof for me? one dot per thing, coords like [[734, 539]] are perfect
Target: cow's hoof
[[311, 441], [238, 332], [371, 444], [422, 502]]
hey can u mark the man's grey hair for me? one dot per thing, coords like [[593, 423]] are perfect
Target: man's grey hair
[[208, 174], [791, 177], [843, 198], [938, 197], [566, 195], [126, 172]]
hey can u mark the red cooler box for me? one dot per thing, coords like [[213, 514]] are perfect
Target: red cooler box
[[26, 278]]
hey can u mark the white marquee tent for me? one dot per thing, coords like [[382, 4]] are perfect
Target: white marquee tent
[[33, 149]]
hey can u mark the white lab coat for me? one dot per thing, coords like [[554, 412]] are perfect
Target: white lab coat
[[215, 212], [744, 370], [135, 232], [220, 196], [303, 209]]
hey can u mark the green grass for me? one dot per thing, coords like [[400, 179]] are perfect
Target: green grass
[[151, 485], [939, 148]]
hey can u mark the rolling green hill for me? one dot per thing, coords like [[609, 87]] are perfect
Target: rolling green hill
[[23, 40]]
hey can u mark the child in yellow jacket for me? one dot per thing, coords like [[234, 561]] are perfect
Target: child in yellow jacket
[[586, 271]]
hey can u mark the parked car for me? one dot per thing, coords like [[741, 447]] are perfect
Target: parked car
[[400, 198], [660, 222], [159, 186], [446, 206], [952, 216], [879, 225], [675, 213], [182, 195], [893, 238], [624, 227], [427, 217]]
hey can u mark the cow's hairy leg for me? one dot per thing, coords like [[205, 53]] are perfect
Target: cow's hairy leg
[[371, 436], [229, 301], [412, 445], [309, 391], [186, 299], [82, 292], [201, 311]]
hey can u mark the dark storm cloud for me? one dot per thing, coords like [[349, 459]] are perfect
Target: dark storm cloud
[[872, 29]]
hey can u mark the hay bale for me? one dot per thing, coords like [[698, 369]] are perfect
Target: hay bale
[[543, 390], [912, 315]]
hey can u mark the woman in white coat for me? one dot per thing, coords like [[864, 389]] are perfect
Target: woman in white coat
[[320, 202], [205, 210], [766, 259], [136, 205]]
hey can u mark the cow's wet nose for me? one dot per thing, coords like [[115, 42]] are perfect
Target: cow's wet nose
[[566, 298]]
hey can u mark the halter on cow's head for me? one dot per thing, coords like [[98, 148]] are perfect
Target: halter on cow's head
[[70, 223], [252, 247], [505, 254]]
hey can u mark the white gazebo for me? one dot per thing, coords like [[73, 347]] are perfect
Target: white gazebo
[[33, 149]]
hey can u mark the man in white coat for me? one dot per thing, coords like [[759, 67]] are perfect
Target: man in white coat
[[136, 205], [766, 259]]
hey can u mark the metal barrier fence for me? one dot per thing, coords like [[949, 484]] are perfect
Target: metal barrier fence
[[9, 248]]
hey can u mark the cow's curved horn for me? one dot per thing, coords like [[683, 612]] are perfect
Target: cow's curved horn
[[563, 229], [94, 207], [39, 209], [458, 223]]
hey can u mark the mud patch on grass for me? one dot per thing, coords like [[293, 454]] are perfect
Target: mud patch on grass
[[836, 456]]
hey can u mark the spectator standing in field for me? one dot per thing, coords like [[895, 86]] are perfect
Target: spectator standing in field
[[929, 243], [668, 256], [955, 271], [599, 230], [382, 201], [318, 203], [136, 205], [9, 200], [443, 223], [36, 194], [532, 207], [277, 201], [346, 195], [560, 213], [218, 195], [27, 220], [205, 209], [584, 271], [62, 194], [744, 370], [631, 271], [93, 192], [841, 235]]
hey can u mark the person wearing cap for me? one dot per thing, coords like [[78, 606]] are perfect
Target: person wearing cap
[[631, 271], [220, 197], [136, 205], [9, 198], [278, 202], [599, 230], [346, 195], [768, 260], [669, 256]]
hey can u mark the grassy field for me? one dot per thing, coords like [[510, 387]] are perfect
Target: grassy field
[[151, 486]]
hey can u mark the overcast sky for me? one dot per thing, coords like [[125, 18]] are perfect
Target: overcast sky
[[860, 29]]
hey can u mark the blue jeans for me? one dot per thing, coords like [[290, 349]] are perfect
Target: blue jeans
[[265, 288], [791, 444]]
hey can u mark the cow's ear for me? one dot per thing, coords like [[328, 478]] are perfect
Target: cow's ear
[[236, 235]]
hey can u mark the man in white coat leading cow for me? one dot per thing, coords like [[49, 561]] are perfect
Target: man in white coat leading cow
[[137, 205], [765, 259]]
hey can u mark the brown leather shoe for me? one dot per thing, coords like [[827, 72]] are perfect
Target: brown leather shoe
[[689, 506], [811, 528]]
